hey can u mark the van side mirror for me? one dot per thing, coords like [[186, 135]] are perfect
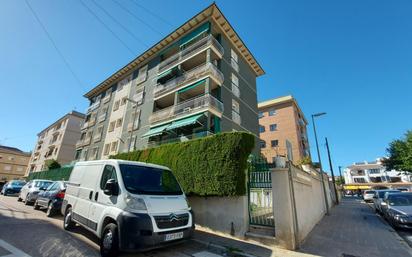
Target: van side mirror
[[111, 187]]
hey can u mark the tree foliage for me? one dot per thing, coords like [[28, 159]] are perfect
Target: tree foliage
[[210, 166], [400, 154], [52, 164]]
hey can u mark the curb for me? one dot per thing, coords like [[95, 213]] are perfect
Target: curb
[[223, 248]]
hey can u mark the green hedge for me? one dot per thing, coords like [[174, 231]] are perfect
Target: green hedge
[[210, 166], [55, 174]]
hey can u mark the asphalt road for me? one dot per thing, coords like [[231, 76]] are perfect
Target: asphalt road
[[25, 232]]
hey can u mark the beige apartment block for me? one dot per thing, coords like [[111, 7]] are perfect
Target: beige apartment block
[[57, 141], [282, 124], [13, 163]]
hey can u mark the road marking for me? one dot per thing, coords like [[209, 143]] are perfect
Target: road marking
[[15, 252]]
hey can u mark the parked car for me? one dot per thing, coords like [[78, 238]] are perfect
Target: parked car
[[378, 198], [2, 183], [368, 195], [29, 192], [397, 209], [51, 198], [402, 189], [12, 187], [128, 205]]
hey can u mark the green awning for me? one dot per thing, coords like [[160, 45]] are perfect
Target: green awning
[[156, 131], [192, 86], [194, 34], [185, 122], [168, 72]]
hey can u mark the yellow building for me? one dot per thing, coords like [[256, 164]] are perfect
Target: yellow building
[[13, 163]]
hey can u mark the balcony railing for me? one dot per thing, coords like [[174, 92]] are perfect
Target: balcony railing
[[83, 142], [106, 98], [187, 107], [193, 49], [101, 117], [97, 137], [180, 139], [93, 106], [189, 76]]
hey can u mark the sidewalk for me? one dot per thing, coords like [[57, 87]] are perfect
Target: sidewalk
[[354, 229]]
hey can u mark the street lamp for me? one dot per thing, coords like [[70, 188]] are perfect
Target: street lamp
[[320, 161]]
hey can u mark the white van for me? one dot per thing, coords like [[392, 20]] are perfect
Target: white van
[[129, 205]]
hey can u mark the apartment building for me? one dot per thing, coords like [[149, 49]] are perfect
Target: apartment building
[[197, 81], [13, 163], [57, 141], [282, 129], [373, 172]]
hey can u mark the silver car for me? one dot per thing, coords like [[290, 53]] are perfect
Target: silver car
[[29, 192], [378, 198], [368, 195], [397, 209]]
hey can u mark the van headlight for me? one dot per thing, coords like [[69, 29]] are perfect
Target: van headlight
[[135, 203]]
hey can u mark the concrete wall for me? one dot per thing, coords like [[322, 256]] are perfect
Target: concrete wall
[[299, 204], [219, 213]]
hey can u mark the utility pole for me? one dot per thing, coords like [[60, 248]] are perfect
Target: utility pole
[[331, 171], [320, 161], [340, 174]]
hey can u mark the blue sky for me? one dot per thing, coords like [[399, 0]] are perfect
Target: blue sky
[[351, 59]]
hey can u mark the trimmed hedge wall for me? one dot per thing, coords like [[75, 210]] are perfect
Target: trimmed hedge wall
[[55, 174], [210, 166]]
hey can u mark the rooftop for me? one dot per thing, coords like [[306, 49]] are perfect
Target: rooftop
[[72, 113], [12, 149], [281, 100], [211, 12]]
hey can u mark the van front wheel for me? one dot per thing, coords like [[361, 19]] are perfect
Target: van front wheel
[[68, 222], [109, 242]]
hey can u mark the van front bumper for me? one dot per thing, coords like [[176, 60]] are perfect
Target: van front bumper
[[136, 233]]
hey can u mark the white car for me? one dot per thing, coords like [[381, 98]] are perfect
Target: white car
[[128, 205], [368, 195], [29, 192]]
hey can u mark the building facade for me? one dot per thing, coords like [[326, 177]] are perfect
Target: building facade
[[57, 141], [13, 163], [197, 81], [282, 129], [373, 172]]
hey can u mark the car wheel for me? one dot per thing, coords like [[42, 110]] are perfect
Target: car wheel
[[19, 199], [36, 205], [5, 193], [68, 222], [49, 211], [109, 242]]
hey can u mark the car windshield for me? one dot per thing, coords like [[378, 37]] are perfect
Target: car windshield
[[382, 193], [148, 180], [369, 192], [42, 183], [400, 200], [18, 183]]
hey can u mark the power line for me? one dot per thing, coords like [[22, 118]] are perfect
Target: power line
[[135, 2], [137, 17], [107, 27], [121, 25], [54, 44]]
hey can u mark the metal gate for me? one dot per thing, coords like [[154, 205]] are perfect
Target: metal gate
[[260, 193]]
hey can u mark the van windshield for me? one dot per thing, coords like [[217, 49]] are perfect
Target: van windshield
[[149, 181]]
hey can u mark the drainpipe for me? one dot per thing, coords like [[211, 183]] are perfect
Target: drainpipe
[[293, 202]]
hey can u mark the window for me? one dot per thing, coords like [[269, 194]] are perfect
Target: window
[[274, 143], [119, 122], [106, 149], [109, 172], [235, 112], [95, 151], [261, 115], [113, 147], [132, 143], [235, 106], [7, 168], [139, 96], [116, 105], [11, 158], [19, 169], [273, 127], [262, 144], [261, 129], [136, 120], [142, 75], [272, 112], [234, 60], [359, 180], [123, 82], [111, 126], [235, 85], [124, 101]]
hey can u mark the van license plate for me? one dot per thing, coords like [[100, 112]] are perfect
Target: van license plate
[[174, 236]]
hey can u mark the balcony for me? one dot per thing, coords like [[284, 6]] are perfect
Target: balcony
[[179, 139], [101, 117], [204, 70], [191, 106], [97, 138], [93, 106], [92, 121], [190, 51], [83, 142]]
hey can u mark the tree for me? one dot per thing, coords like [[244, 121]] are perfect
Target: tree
[[400, 154], [52, 164]]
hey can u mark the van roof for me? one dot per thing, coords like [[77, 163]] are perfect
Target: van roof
[[113, 161]]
